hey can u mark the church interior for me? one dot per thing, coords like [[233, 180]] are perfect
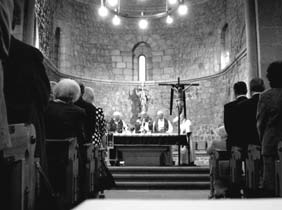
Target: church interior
[[159, 75]]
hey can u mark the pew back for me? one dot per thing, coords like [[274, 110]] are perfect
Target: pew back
[[253, 170], [89, 167], [62, 155], [20, 167], [278, 172]]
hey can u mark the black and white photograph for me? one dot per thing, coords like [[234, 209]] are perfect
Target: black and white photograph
[[140, 104]]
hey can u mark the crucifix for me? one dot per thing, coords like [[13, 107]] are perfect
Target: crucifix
[[180, 89]]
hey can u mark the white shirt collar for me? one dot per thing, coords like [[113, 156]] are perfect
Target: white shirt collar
[[239, 96]]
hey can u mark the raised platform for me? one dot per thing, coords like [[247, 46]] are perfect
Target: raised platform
[[162, 177], [142, 155]]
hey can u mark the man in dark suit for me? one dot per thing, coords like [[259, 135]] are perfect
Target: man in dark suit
[[269, 124], [248, 111], [231, 120], [27, 90]]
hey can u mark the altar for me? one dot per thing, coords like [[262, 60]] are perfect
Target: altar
[[144, 149]]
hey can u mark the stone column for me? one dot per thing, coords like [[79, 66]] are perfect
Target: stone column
[[28, 24], [269, 23], [251, 32]]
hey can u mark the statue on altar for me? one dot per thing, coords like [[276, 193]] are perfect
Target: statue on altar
[[143, 97]]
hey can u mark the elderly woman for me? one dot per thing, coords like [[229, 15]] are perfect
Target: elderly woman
[[100, 127], [64, 119], [105, 179]]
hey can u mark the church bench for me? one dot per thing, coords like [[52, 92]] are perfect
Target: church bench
[[18, 170], [89, 168], [63, 164], [219, 172], [253, 171], [278, 172], [236, 172], [99, 155]]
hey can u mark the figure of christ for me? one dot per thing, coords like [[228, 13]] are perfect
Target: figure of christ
[[141, 93]]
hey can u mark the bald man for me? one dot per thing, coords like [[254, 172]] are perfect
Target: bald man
[[117, 125], [162, 125]]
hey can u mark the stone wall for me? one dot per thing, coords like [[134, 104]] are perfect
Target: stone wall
[[204, 103], [190, 48], [44, 13], [92, 51]]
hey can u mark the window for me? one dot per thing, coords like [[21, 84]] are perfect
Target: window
[[142, 65], [57, 46], [225, 43], [142, 68], [36, 33]]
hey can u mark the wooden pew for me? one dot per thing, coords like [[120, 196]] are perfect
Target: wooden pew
[[219, 173], [236, 172], [62, 155], [278, 172], [20, 168], [89, 167], [253, 171], [100, 155], [96, 172]]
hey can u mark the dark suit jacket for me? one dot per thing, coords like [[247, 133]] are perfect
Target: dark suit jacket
[[269, 120], [248, 111], [64, 120], [27, 90], [26, 85], [90, 120], [232, 122]]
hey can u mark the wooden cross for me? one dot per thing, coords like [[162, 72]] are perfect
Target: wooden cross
[[180, 89]]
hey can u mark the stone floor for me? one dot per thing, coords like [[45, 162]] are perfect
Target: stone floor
[[180, 204], [157, 194]]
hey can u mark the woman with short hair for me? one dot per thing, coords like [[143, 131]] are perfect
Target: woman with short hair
[[63, 118]]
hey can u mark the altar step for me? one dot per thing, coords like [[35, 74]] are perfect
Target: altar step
[[174, 177]]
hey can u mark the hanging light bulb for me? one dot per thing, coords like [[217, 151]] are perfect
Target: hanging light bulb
[[182, 9], [172, 2], [169, 19], [143, 24], [103, 11], [112, 3], [116, 20]]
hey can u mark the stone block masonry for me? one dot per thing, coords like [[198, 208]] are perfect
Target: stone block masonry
[[104, 57]]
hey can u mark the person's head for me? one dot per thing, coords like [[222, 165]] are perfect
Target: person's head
[[67, 90], [240, 88], [88, 95], [117, 116], [256, 85], [160, 115], [274, 74]]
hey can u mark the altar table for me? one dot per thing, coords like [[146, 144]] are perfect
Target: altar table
[[145, 149]]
